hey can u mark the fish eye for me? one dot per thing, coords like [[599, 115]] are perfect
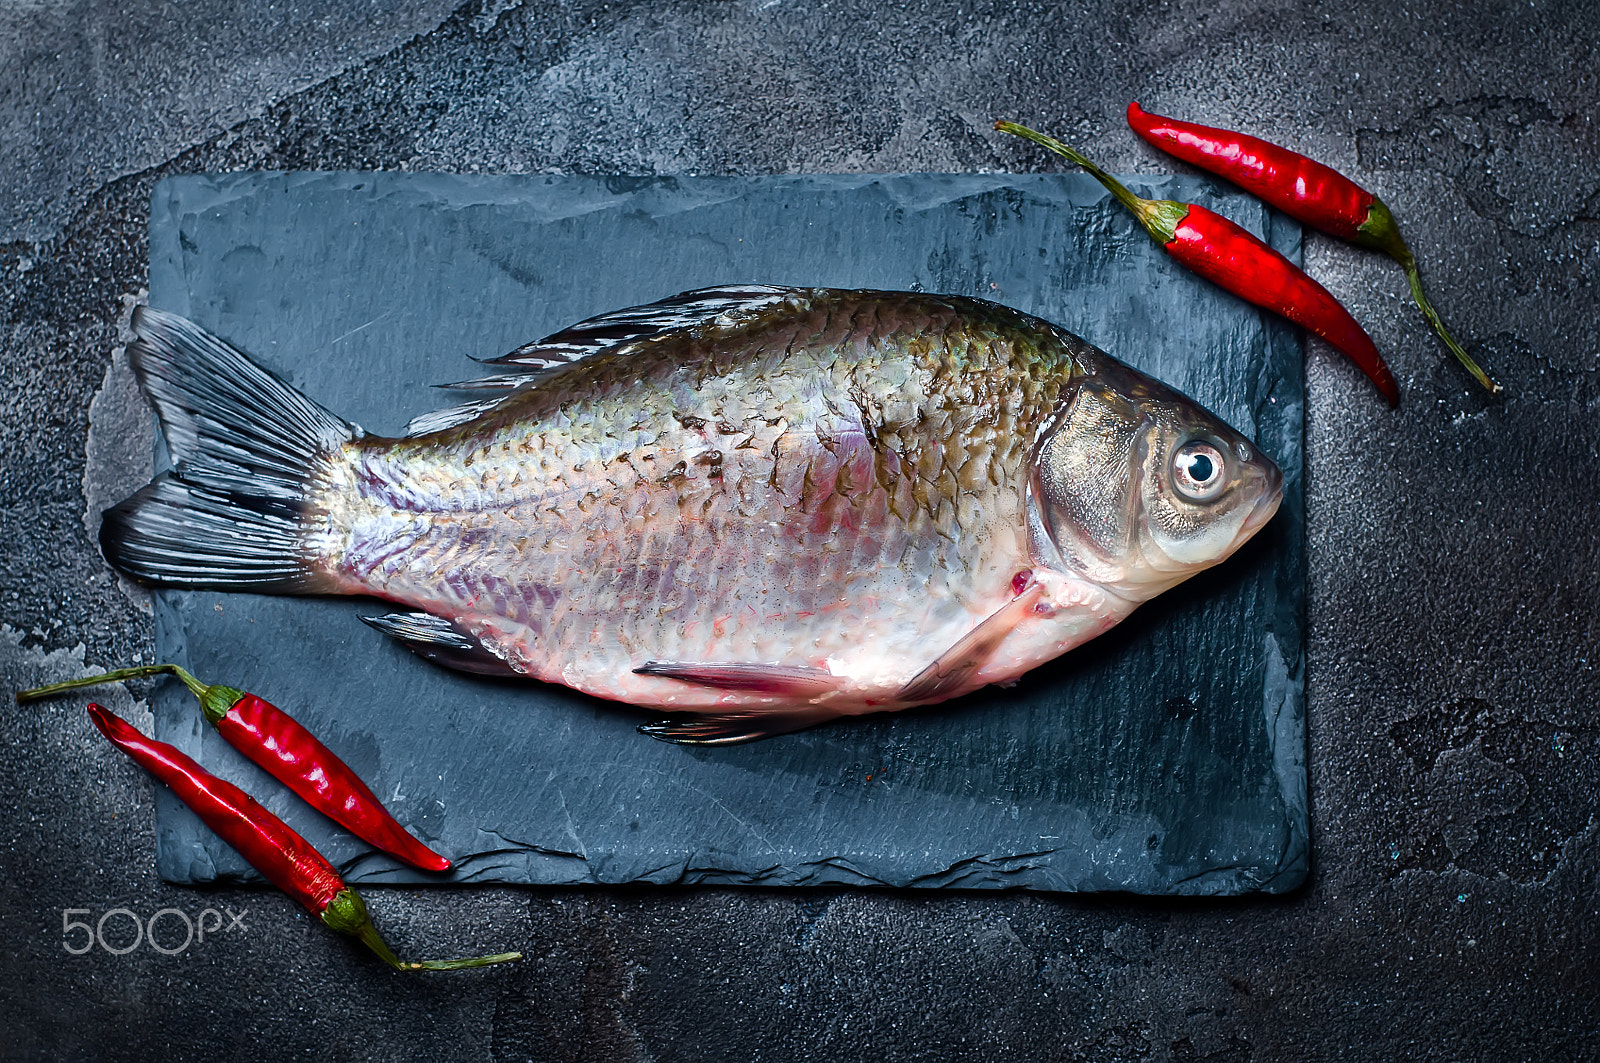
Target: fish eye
[[1199, 471]]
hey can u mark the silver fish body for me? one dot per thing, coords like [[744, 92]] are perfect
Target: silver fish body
[[764, 507]]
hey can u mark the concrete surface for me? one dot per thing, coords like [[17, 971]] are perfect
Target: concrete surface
[[1454, 907]]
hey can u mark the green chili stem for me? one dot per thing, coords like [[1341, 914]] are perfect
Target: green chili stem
[[369, 937], [197, 688], [458, 965], [347, 913], [1438, 326], [1160, 217], [368, 934]]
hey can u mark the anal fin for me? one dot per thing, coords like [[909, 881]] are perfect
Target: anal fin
[[440, 641], [779, 680], [731, 729], [950, 671]]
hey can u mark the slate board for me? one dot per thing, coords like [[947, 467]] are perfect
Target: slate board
[[1164, 757]]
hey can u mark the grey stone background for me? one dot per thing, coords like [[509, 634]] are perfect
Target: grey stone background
[[1454, 906]]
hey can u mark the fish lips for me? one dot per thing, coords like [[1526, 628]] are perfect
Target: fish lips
[[1265, 507]]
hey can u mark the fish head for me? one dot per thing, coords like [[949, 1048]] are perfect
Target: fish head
[[1136, 487]]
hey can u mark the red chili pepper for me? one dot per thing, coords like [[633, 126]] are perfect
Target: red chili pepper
[[270, 845], [289, 753], [1234, 259], [1302, 188]]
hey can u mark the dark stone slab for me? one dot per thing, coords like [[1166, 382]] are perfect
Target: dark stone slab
[[1164, 757]]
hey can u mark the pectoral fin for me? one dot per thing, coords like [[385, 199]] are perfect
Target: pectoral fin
[[790, 681], [793, 682], [951, 671]]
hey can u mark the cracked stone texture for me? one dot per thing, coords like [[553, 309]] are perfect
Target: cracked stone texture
[[1454, 563]]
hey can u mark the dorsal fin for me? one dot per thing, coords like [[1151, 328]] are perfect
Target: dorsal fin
[[450, 416], [533, 362], [631, 324], [498, 382]]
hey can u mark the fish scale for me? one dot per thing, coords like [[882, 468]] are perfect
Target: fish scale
[[819, 525]]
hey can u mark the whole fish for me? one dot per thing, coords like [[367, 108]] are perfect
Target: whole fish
[[756, 508]]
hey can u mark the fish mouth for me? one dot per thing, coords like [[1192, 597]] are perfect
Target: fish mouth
[[1264, 509]]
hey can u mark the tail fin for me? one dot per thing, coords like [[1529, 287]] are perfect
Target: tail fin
[[245, 444]]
